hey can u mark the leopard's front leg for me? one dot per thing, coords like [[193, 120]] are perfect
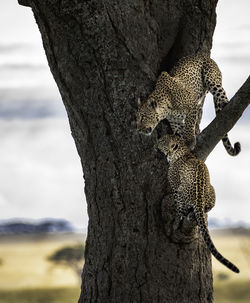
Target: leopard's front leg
[[189, 133], [182, 206], [177, 121]]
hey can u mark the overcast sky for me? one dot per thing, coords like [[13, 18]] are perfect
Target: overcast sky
[[40, 171]]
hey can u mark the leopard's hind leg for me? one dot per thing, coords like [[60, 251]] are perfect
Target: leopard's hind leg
[[210, 198], [213, 82]]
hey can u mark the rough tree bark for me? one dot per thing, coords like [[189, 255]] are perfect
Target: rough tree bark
[[104, 55]]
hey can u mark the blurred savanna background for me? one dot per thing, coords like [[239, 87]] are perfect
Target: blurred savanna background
[[43, 218]]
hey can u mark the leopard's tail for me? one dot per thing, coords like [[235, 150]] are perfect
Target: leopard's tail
[[200, 218], [233, 151], [213, 82]]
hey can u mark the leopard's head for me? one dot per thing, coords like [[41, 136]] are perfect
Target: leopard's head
[[173, 146], [151, 112]]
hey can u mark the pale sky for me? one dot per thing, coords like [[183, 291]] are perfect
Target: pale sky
[[40, 170]]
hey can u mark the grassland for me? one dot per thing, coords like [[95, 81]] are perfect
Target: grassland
[[25, 264], [27, 276], [228, 286], [232, 292], [41, 295]]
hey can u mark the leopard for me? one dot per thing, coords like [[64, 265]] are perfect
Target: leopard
[[179, 96], [190, 183]]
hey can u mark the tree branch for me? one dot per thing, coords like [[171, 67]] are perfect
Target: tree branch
[[25, 2], [224, 121]]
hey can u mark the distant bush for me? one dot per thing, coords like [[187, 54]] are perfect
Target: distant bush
[[70, 256], [222, 276]]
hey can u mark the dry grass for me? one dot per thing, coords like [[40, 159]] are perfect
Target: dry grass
[[231, 247], [25, 262], [55, 295], [232, 292], [26, 275], [228, 286]]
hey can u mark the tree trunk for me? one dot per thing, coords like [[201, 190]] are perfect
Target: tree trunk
[[104, 55]]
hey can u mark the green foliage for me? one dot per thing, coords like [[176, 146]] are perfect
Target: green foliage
[[57, 295]]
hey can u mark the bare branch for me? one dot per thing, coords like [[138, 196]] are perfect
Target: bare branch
[[224, 121], [25, 2]]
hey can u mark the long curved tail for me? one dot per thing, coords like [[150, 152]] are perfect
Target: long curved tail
[[213, 82], [233, 151], [205, 234]]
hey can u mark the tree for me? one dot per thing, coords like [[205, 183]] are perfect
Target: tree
[[103, 56], [70, 256]]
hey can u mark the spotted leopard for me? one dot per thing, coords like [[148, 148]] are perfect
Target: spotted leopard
[[190, 182], [179, 97]]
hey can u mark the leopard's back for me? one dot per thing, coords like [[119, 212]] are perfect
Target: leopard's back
[[189, 71]]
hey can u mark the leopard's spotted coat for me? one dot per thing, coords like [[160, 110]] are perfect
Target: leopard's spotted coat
[[179, 97], [190, 183]]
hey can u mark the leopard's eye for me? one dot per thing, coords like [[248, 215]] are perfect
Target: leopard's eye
[[174, 147]]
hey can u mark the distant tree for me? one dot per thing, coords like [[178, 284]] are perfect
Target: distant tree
[[70, 256]]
